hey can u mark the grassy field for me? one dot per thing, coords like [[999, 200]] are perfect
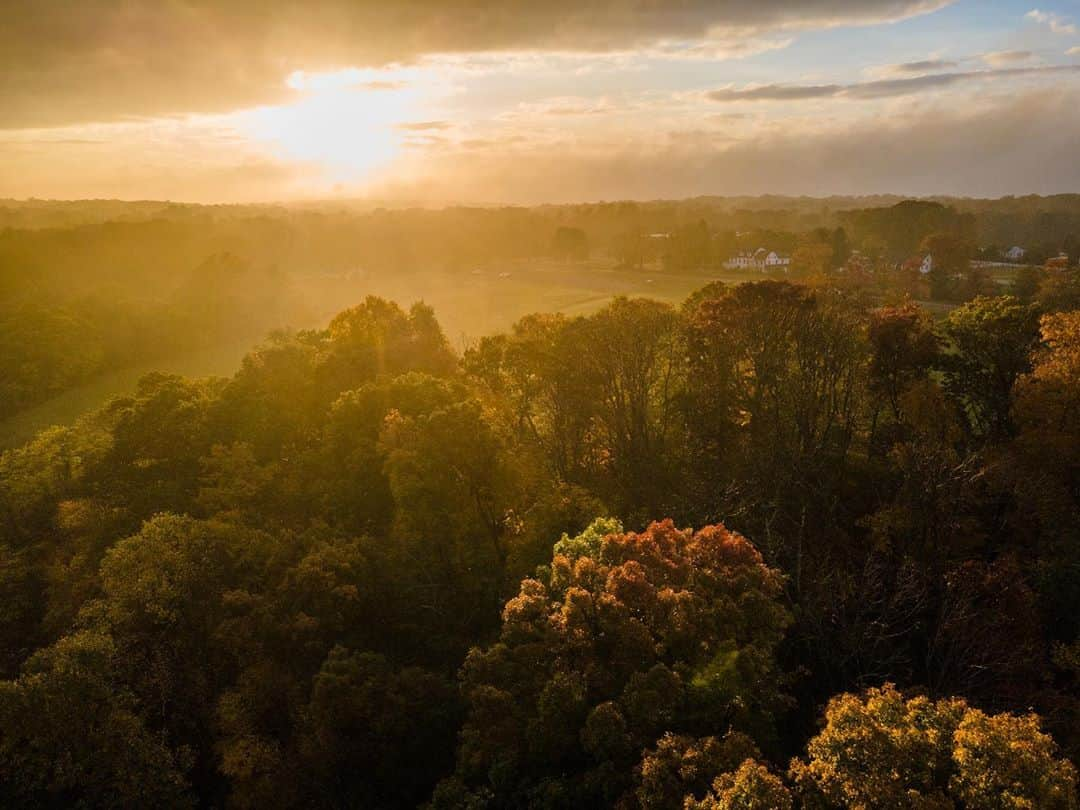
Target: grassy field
[[71, 404], [469, 305], [486, 300]]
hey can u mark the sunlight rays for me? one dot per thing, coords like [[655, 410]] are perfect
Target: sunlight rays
[[346, 122]]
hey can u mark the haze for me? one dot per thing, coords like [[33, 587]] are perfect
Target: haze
[[515, 102]]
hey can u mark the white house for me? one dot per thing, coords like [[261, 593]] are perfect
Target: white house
[[1015, 253], [742, 260], [774, 259], [760, 259], [927, 264]]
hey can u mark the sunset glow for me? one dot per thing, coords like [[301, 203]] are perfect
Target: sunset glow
[[342, 123], [532, 104]]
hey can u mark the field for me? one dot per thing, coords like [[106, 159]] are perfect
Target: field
[[68, 406], [469, 305], [485, 300]]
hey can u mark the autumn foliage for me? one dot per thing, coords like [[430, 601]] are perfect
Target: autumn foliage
[[640, 635], [647, 558]]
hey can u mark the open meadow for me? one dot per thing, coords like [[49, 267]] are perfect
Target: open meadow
[[469, 305]]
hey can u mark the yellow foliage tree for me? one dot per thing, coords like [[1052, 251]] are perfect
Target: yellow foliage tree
[[880, 750]]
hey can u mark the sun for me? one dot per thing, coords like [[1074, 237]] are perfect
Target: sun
[[345, 122]]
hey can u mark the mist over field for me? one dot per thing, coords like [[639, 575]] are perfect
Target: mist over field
[[493, 405]]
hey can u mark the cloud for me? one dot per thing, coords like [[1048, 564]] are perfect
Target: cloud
[[69, 168], [998, 58], [880, 88], [975, 144], [96, 60], [565, 107], [1056, 23], [423, 126], [777, 92], [381, 86], [915, 68], [937, 149], [718, 50]]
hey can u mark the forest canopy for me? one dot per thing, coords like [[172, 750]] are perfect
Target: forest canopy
[[370, 570]]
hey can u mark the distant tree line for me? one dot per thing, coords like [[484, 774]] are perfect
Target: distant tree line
[[89, 286]]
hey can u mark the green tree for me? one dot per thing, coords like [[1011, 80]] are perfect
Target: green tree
[[951, 257], [70, 736], [373, 735], [775, 398], [990, 341], [542, 390], [904, 350], [570, 244], [1027, 282], [635, 367], [162, 603]]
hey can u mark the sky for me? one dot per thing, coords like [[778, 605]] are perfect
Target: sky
[[522, 102]]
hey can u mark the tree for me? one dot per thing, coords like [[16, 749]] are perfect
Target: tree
[[985, 640], [21, 608], [356, 509], [1042, 465], [542, 389], [599, 396], [681, 769], [373, 735], [907, 224], [570, 243], [347, 477], [71, 736], [951, 257], [751, 787], [232, 479], [904, 349], [159, 436], [934, 494], [775, 398], [990, 345], [812, 259], [288, 721], [162, 603], [666, 630], [43, 350], [880, 750], [841, 248], [1006, 761], [630, 248], [1059, 291], [273, 401], [1027, 282], [690, 247], [635, 367], [455, 490], [377, 338]]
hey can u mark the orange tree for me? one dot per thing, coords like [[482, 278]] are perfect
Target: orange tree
[[625, 637]]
